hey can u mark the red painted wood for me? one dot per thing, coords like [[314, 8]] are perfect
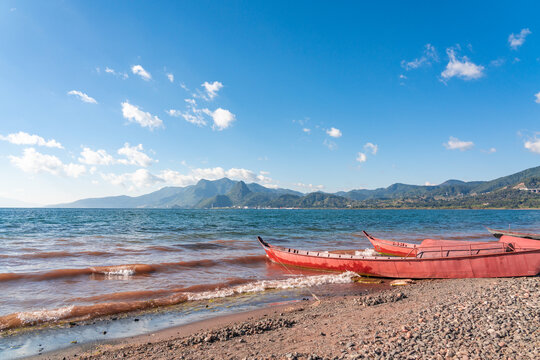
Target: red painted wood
[[501, 264]]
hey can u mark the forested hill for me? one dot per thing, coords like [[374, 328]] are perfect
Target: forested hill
[[520, 190]]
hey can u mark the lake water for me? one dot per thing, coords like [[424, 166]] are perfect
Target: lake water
[[83, 263]]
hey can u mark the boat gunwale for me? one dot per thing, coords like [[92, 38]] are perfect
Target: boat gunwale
[[500, 233], [328, 255]]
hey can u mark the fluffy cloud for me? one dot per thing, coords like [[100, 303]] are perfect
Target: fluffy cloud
[[143, 178], [372, 148], [82, 96], [34, 162], [108, 70], [212, 88], [537, 96], [99, 157], [333, 132], [429, 55], [461, 68], [306, 130], [137, 179], [22, 138], [139, 70], [145, 119], [193, 115], [222, 118], [170, 77], [456, 144], [134, 156], [361, 157], [533, 145], [516, 41]]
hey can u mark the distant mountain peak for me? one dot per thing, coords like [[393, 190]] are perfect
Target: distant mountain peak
[[225, 192], [238, 192]]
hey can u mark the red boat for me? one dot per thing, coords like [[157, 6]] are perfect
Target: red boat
[[396, 248], [499, 233], [504, 261]]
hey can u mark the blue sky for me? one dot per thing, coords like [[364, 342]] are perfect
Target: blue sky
[[310, 95]]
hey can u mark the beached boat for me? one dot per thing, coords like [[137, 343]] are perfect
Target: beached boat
[[506, 261], [397, 248], [499, 233]]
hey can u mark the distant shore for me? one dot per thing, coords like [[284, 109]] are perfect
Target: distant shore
[[462, 319]]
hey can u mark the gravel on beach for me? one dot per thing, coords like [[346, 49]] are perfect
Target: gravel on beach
[[439, 319]]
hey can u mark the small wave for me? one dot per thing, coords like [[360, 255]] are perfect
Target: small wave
[[125, 271], [61, 254], [163, 248], [71, 273], [241, 286], [262, 285]]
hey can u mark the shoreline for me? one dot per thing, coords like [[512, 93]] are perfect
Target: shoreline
[[458, 318], [169, 333]]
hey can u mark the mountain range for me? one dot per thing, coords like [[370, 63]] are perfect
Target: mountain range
[[513, 191]]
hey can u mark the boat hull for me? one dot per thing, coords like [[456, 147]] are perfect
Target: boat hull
[[508, 264], [499, 233]]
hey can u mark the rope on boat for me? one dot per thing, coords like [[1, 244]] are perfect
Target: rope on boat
[[308, 289]]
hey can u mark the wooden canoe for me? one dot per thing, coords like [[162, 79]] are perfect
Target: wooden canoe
[[396, 248], [499, 233], [506, 262]]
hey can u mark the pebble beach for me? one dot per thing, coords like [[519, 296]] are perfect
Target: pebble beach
[[439, 319]]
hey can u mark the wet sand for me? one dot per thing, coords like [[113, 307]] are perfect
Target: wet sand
[[441, 319]]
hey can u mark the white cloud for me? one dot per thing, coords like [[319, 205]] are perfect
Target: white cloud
[[533, 145], [145, 119], [516, 41], [170, 77], [372, 148], [134, 156], [34, 162], [183, 86], [309, 187], [137, 179], [22, 138], [333, 132], [330, 144], [429, 55], [403, 77], [456, 144], [212, 88], [461, 68], [497, 62], [427, 183], [124, 76], [192, 115], [139, 70], [99, 157], [537, 96], [306, 130], [222, 118], [74, 170], [361, 157], [83, 97], [143, 178]]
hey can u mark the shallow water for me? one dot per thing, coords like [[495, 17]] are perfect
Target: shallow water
[[79, 263]]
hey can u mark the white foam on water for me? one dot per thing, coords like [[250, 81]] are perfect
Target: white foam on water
[[122, 272], [262, 285], [366, 252], [44, 315]]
